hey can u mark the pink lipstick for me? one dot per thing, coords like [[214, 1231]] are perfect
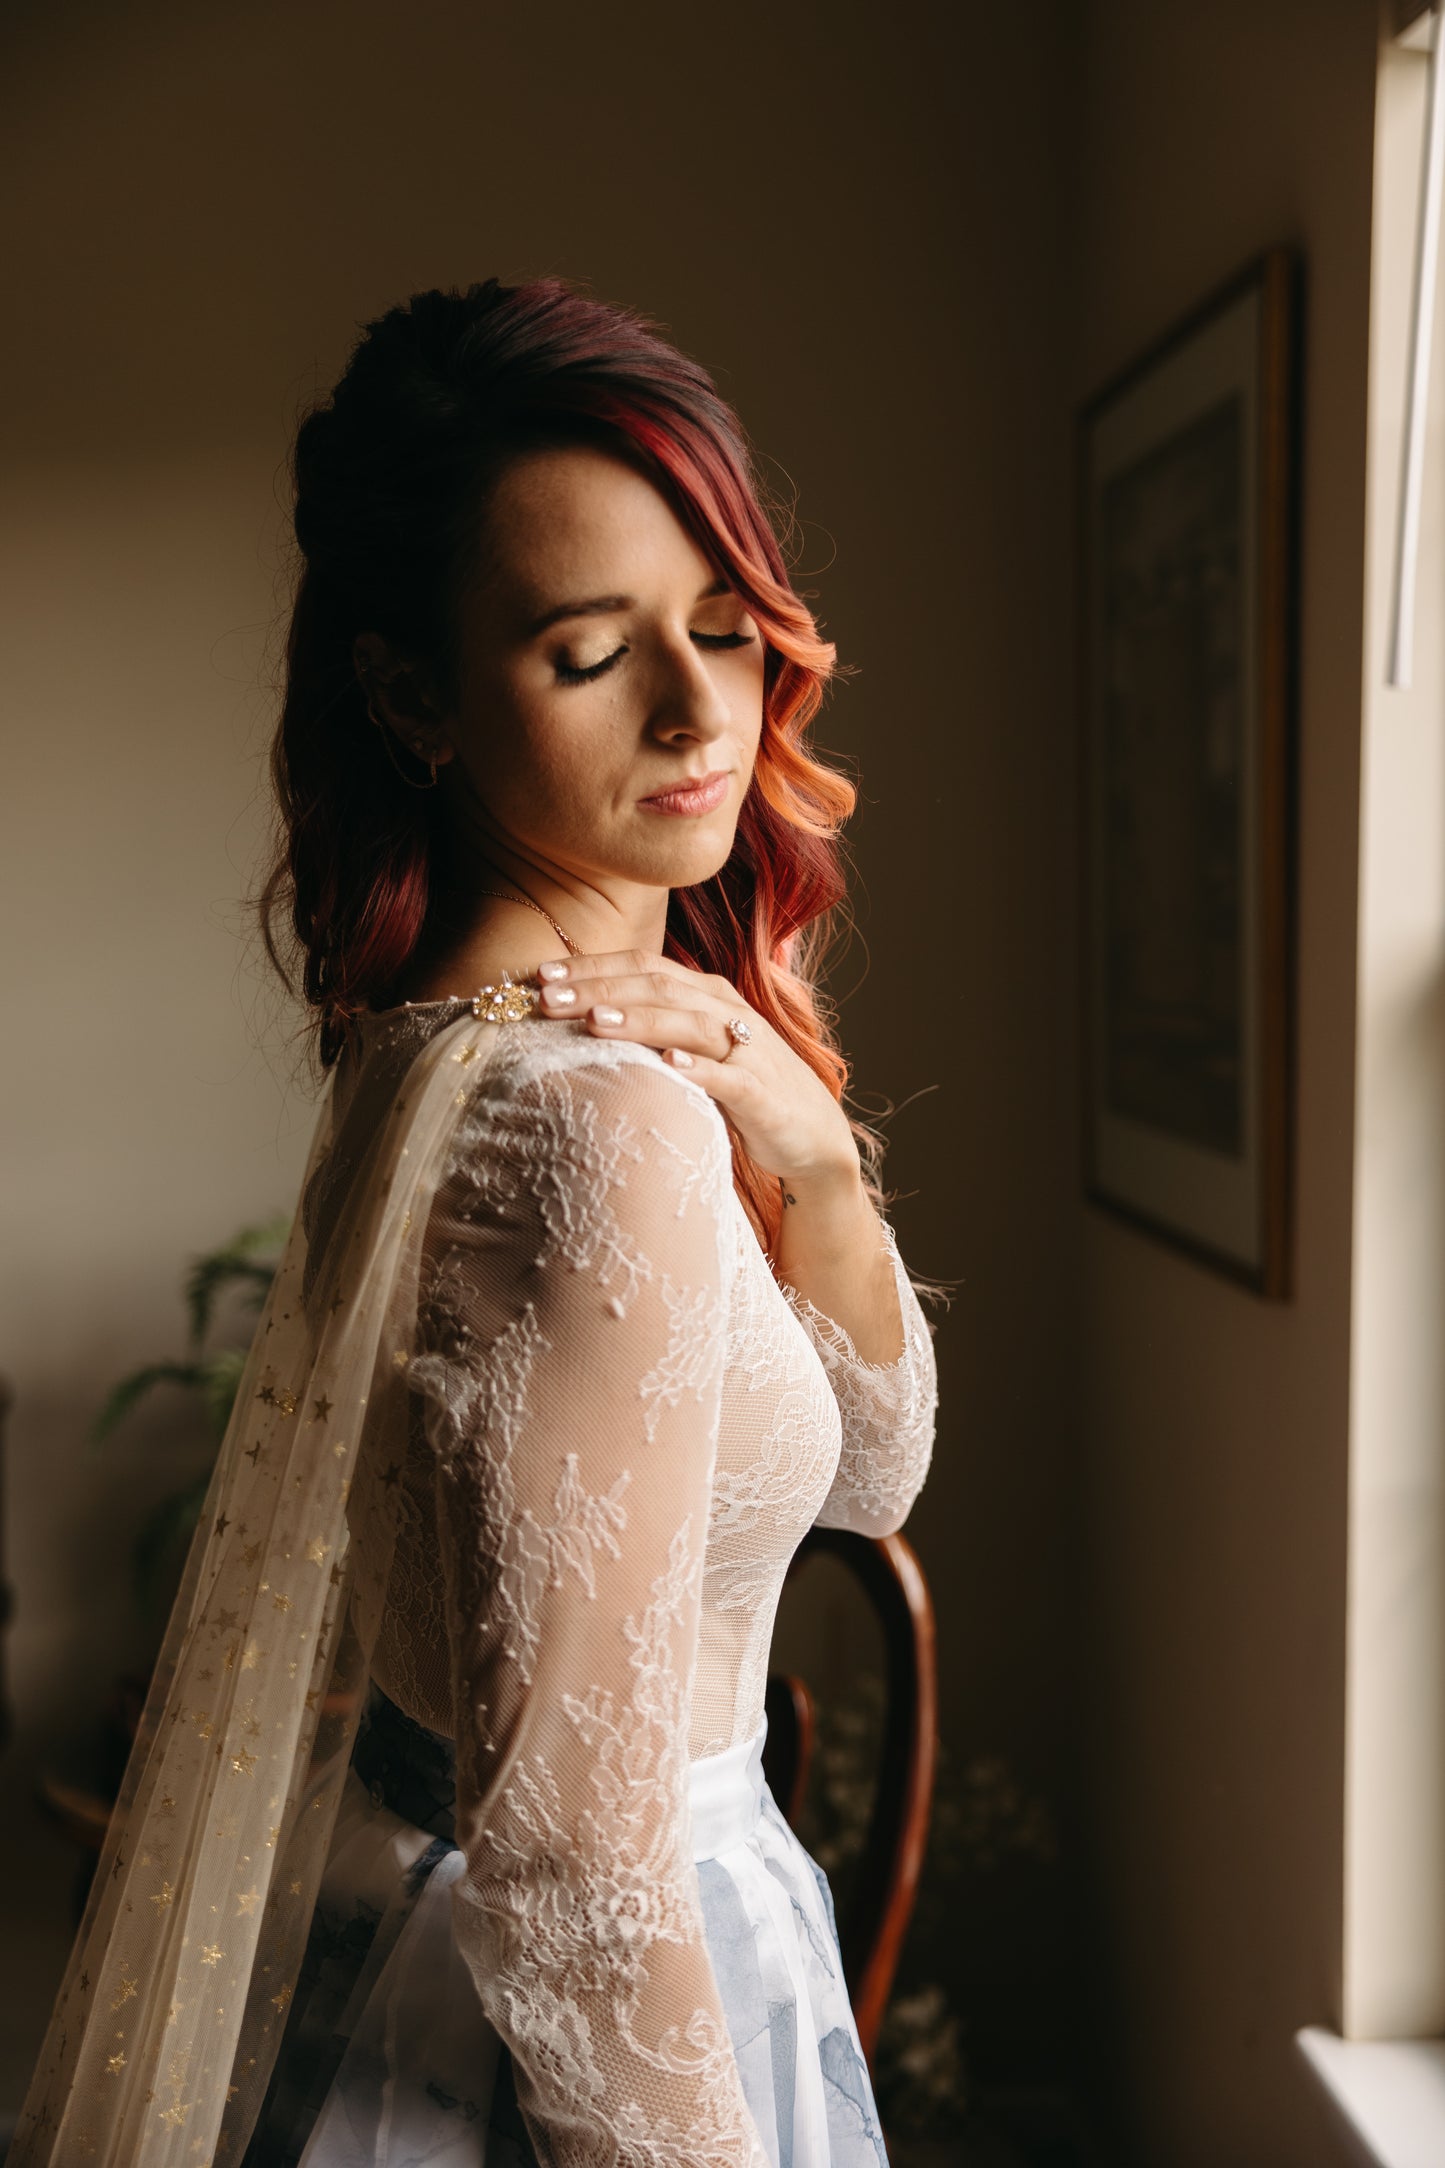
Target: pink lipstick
[[703, 795]]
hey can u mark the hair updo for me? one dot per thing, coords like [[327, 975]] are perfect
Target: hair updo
[[392, 474]]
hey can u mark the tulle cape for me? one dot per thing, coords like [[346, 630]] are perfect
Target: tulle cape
[[173, 2002]]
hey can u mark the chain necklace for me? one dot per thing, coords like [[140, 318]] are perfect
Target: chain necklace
[[504, 1004], [502, 895]]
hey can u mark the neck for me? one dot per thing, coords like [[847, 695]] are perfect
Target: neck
[[474, 933], [597, 917]]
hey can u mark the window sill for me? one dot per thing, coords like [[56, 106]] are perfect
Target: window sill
[[1390, 2093]]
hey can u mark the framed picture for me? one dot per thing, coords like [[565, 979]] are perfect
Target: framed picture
[[1187, 467]]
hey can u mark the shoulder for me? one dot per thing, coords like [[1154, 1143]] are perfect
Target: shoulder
[[551, 1086]]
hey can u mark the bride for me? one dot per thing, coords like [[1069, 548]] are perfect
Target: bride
[[445, 1837]]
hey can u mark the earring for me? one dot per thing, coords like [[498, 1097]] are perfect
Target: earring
[[418, 746]]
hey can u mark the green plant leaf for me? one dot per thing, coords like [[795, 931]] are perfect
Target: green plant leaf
[[240, 1262], [123, 1397], [222, 1377]]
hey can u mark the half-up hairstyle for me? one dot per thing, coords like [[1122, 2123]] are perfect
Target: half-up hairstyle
[[391, 479]]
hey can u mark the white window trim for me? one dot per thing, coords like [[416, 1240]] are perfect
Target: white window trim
[[1390, 2094]]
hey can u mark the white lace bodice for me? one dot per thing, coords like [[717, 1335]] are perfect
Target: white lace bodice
[[622, 1427]]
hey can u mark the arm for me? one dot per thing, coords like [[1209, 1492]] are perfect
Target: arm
[[579, 1293], [840, 1268], [888, 1412]]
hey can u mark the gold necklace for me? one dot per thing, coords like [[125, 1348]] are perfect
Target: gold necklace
[[567, 942]]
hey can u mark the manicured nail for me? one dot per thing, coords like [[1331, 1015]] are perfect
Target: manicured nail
[[552, 971], [559, 997], [679, 1057], [606, 1016]]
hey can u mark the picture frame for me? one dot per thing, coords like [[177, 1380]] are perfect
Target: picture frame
[[1187, 541]]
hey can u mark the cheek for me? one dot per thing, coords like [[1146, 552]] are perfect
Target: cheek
[[543, 762]]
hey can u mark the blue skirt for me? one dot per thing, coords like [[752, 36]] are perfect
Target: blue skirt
[[388, 2060]]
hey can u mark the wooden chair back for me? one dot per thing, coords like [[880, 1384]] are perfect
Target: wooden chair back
[[872, 1924]]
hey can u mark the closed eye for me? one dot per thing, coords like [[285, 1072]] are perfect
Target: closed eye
[[568, 674]]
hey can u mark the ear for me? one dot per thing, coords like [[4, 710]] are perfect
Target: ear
[[399, 697]]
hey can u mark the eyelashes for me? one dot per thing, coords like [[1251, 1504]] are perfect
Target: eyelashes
[[716, 642]]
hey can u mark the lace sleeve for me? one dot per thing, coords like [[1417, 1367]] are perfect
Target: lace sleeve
[[888, 1412], [572, 1375]]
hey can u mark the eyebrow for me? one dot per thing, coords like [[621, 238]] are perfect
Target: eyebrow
[[608, 606]]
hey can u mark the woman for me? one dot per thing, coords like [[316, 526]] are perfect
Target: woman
[[445, 1837]]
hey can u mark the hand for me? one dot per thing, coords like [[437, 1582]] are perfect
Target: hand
[[787, 1118]]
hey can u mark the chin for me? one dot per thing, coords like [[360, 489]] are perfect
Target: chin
[[703, 857], [680, 860]]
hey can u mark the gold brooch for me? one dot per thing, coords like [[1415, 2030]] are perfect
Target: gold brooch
[[506, 1003]]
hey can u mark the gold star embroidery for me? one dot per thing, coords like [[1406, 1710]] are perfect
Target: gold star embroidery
[[116, 2063], [282, 1603], [251, 1657], [163, 1896], [227, 1621], [175, 2114], [211, 1953], [174, 2012], [246, 1902], [128, 1985], [251, 1553], [316, 1550], [401, 1358], [286, 1401], [323, 1408], [242, 1762], [296, 1889], [282, 1999], [339, 1448]]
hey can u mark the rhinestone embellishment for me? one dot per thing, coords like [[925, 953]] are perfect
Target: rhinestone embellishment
[[506, 1003]]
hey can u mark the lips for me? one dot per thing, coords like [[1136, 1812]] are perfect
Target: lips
[[694, 794]]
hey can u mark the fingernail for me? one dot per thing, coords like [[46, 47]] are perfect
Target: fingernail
[[552, 971], [559, 997], [679, 1057], [607, 1016]]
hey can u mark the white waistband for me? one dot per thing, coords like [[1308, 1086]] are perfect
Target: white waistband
[[726, 1795]]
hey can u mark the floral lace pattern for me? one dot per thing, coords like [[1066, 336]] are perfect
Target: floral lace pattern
[[621, 1428]]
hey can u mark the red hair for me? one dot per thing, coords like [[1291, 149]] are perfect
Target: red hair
[[391, 478]]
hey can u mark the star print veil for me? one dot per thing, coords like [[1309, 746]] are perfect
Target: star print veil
[[173, 2003]]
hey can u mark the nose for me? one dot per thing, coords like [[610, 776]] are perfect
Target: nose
[[688, 705]]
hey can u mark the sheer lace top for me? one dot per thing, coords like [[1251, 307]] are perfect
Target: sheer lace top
[[621, 1427]]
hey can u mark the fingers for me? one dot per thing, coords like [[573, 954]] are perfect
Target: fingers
[[614, 963], [667, 987], [697, 1031]]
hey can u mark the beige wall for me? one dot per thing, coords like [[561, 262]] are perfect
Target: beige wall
[[1212, 1537], [854, 220]]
